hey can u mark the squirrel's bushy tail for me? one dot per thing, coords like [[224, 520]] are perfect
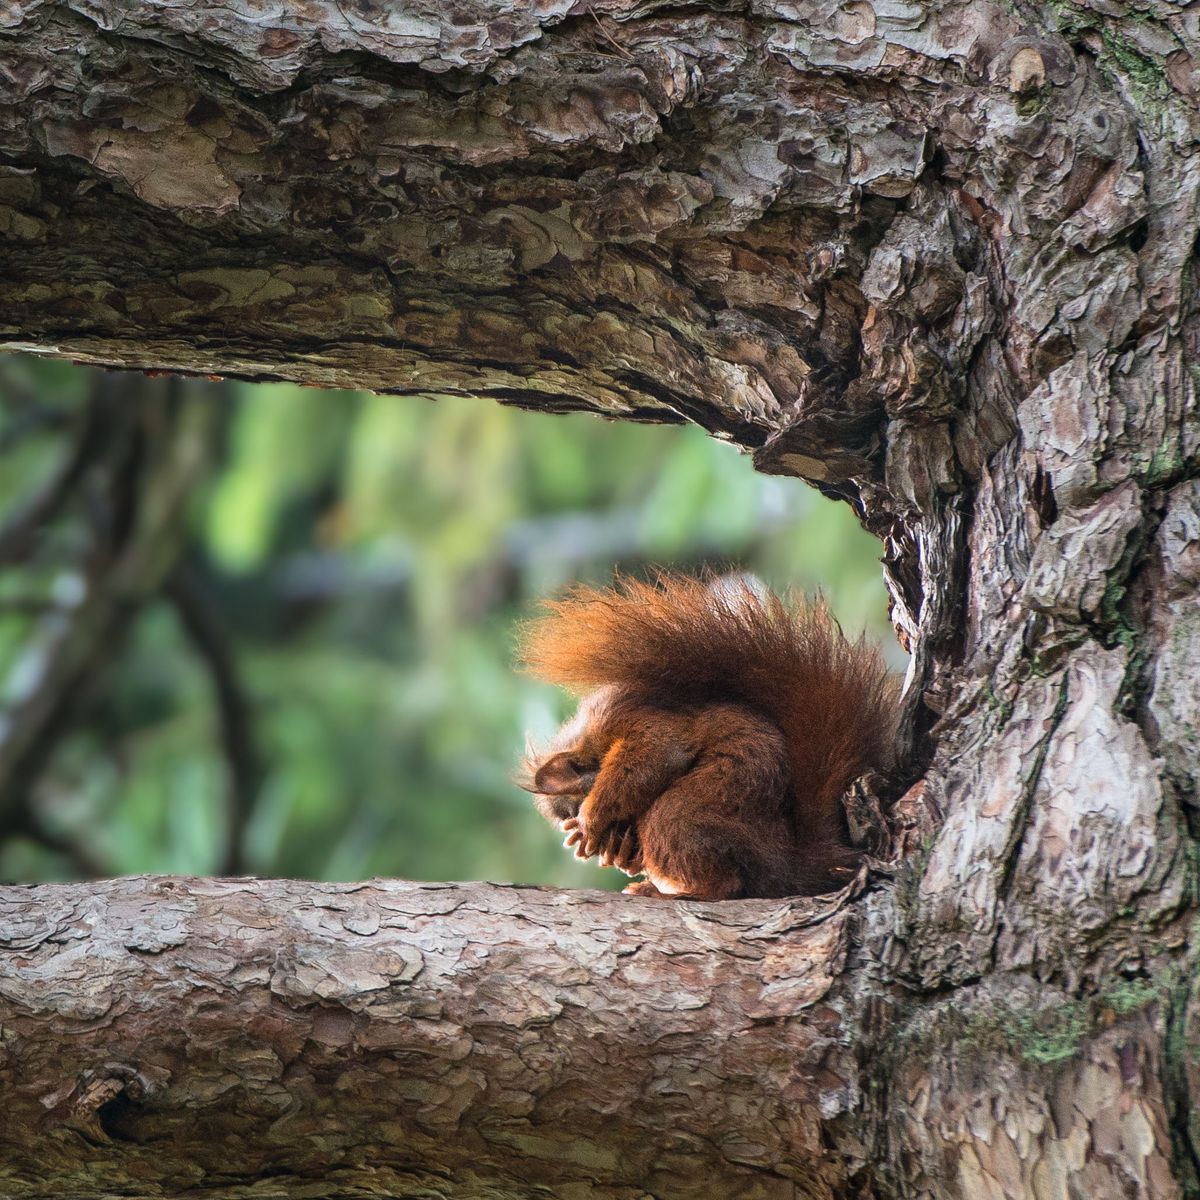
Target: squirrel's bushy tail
[[681, 639]]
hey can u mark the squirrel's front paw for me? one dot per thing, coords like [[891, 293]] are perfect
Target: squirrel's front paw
[[578, 838], [620, 848], [616, 845]]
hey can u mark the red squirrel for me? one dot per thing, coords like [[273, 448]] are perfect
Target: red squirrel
[[719, 729]]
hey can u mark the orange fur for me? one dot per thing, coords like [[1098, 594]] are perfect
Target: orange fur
[[722, 728]]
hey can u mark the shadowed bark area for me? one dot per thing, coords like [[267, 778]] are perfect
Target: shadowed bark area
[[937, 259]]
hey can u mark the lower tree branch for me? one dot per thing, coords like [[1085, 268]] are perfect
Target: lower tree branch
[[245, 1039], [409, 1039]]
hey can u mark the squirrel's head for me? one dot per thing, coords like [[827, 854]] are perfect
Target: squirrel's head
[[561, 775]]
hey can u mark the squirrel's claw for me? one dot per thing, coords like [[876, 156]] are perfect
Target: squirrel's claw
[[629, 854], [577, 838], [619, 848]]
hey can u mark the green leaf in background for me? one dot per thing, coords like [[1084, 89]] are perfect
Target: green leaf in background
[[283, 438]]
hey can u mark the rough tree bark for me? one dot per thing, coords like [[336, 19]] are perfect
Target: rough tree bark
[[938, 260], [416, 1040]]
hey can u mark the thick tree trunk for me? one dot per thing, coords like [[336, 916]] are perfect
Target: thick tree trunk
[[939, 260]]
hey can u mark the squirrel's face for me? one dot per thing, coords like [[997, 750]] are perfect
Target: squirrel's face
[[561, 776]]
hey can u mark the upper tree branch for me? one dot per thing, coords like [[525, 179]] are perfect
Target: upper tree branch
[[649, 215]]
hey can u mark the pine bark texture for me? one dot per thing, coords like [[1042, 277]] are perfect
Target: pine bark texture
[[938, 260], [398, 1039]]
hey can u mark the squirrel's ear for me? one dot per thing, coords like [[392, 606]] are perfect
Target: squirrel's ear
[[563, 775]]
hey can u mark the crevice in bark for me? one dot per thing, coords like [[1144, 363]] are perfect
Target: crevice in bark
[[1029, 785], [1176, 1054]]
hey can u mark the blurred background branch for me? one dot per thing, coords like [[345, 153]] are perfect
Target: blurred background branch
[[234, 713], [266, 628]]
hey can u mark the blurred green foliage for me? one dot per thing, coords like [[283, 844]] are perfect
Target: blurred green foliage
[[370, 558]]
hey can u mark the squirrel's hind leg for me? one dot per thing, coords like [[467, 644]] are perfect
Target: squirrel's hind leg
[[646, 887], [643, 887], [689, 853]]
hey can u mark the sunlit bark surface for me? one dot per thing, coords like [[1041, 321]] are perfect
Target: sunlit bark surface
[[938, 259]]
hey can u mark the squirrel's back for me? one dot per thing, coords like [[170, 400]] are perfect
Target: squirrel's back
[[682, 640]]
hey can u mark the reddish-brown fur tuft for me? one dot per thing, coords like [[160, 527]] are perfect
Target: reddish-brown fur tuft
[[699, 665]]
